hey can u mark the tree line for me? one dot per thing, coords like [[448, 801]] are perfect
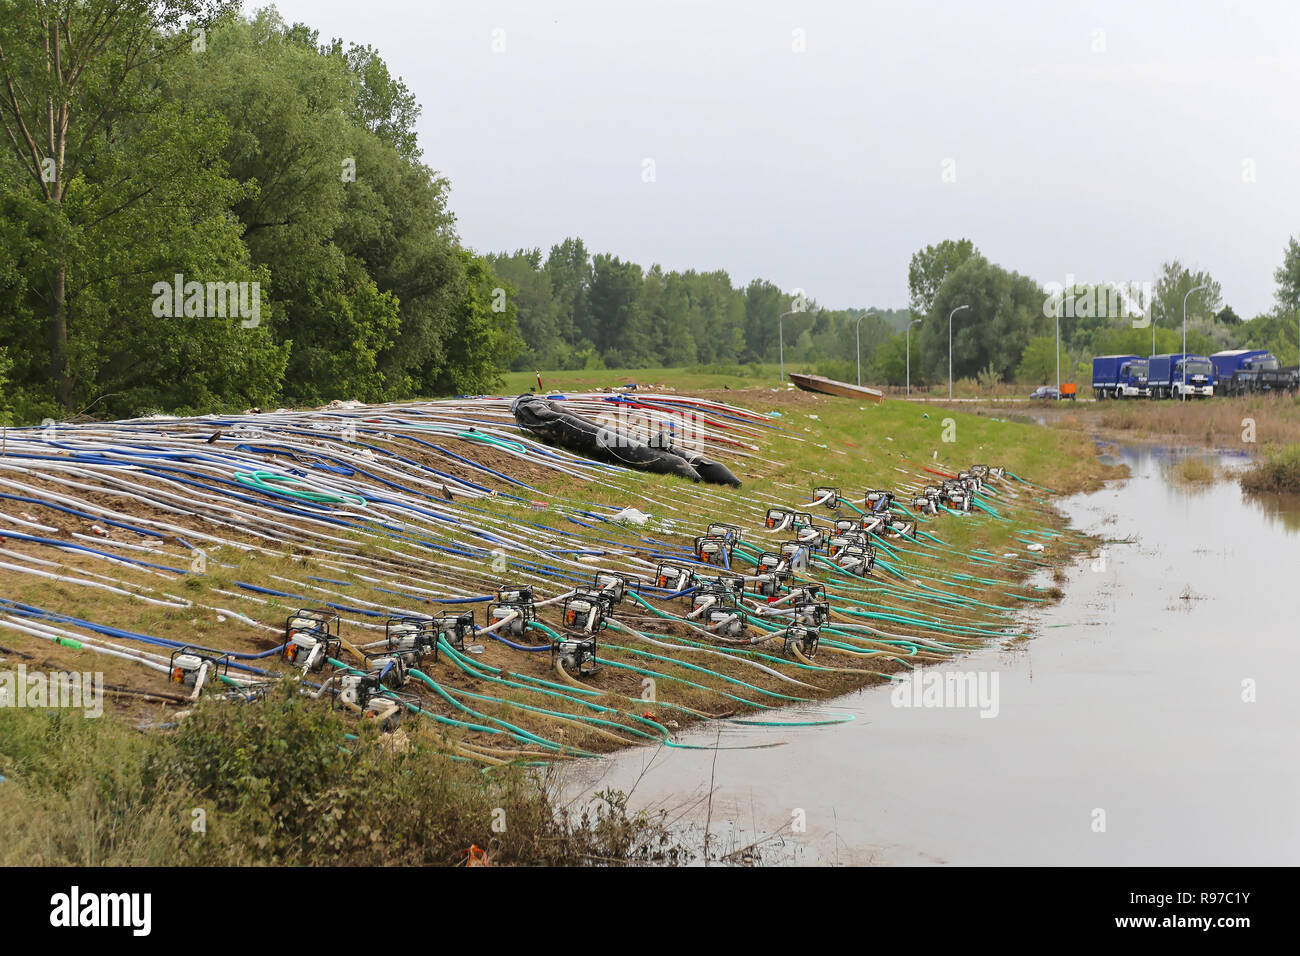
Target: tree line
[[579, 310], [271, 180], [1006, 327]]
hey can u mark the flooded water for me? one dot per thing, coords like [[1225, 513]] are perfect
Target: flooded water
[[1152, 720]]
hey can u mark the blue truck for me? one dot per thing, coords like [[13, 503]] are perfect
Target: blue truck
[[1241, 371], [1169, 375], [1119, 376]]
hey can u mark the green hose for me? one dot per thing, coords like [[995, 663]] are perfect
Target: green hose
[[269, 481]]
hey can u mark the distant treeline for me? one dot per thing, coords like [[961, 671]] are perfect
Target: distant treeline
[[576, 310], [1005, 326]]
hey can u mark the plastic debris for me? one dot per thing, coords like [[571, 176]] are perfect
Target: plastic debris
[[631, 516]]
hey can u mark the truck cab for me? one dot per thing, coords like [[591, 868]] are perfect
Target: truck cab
[[1120, 376], [1178, 374]]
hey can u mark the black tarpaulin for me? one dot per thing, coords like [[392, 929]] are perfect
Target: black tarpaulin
[[551, 423]]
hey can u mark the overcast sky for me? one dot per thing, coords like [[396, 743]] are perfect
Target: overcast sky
[[809, 143]]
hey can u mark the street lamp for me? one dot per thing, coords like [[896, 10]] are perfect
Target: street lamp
[[909, 354], [1153, 332], [857, 331], [950, 315], [1183, 394], [780, 331], [1058, 354]]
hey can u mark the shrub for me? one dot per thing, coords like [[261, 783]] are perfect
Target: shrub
[[1278, 471], [286, 780]]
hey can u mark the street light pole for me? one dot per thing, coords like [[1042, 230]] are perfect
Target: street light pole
[[1058, 354], [857, 332], [909, 354], [780, 331], [950, 315], [1183, 394]]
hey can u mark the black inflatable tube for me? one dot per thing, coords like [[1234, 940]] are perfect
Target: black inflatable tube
[[551, 423]]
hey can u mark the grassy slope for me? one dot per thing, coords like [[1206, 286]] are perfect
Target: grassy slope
[[826, 440]]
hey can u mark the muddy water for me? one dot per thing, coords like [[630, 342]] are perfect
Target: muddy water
[[1121, 734]]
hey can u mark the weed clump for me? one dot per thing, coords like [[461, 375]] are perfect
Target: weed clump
[[1276, 472]]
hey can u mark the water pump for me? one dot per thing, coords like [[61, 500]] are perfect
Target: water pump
[[392, 669], [878, 523], [808, 594], [616, 585], [796, 555], [674, 577], [840, 542], [899, 527], [812, 613], [877, 501], [857, 559], [829, 498], [714, 549], [802, 638], [771, 574], [194, 666], [586, 610], [311, 637], [411, 638], [956, 495], [577, 653], [814, 539], [515, 605], [364, 691], [726, 621], [778, 519], [454, 628], [711, 592], [722, 530]]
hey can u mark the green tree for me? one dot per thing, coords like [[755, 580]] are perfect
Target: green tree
[[889, 363], [569, 267], [764, 303], [930, 267], [485, 340], [78, 89], [529, 287], [1288, 276], [1038, 362], [1003, 311], [617, 326], [1177, 281]]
